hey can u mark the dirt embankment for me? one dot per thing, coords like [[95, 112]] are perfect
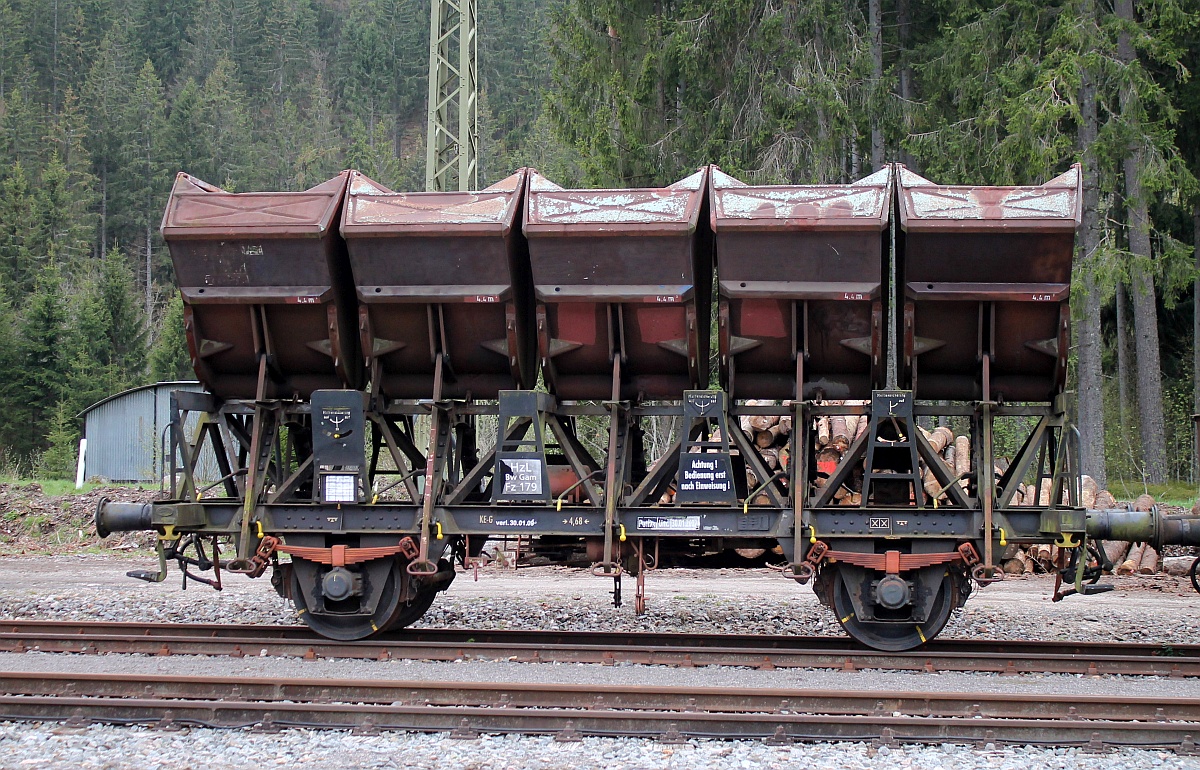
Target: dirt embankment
[[32, 522]]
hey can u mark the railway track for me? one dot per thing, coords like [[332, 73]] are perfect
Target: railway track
[[570, 711], [684, 650]]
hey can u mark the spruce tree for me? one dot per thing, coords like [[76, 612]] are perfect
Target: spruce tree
[[12, 46], [42, 369], [106, 94], [9, 374], [62, 446], [185, 142], [144, 177], [225, 128], [371, 152], [20, 233], [169, 358], [162, 27]]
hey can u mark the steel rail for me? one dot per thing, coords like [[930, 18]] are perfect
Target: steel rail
[[568, 710], [684, 650], [618, 638], [556, 695]]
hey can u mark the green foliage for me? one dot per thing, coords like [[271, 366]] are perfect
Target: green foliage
[[59, 459], [9, 363], [223, 123], [169, 358], [774, 92], [40, 377], [163, 26], [371, 152], [106, 345]]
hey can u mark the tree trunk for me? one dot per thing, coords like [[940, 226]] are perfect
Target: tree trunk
[[875, 23], [1123, 355], [1088, 492], [1149, 562], [1145, 310], [1090, 410], [149, 271], [1145, 322], [1115, 550], [941, 438], [1196, 329], [962, 459], [1133, 560], [104, 218], [904, 30]]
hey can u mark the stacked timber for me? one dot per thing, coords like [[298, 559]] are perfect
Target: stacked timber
[[833, 436], [770, 435], [1126, 558]]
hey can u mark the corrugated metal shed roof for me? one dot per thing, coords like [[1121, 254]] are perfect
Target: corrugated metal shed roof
[[191, 385]]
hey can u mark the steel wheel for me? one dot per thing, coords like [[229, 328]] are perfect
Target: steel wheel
[[895, 636], [350, 626], [407, 614]]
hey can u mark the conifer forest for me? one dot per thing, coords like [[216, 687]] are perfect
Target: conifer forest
[[103, 101]]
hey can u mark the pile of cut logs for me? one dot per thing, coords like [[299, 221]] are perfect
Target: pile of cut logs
[[834, 435], [1127, 558], [769, 433]]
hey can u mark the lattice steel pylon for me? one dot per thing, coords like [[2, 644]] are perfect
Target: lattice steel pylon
[[451, 137]]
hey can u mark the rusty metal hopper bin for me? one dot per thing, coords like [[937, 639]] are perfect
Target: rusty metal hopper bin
[[442, 275], [801, 276], [623, 281], [986, 276], [266, 285]]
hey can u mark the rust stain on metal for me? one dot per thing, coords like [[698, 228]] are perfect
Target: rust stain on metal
[[1054, 205], [199, 209], [552, 206], [264, 274], [800, 273], [370, 204], [995, 261], [441, 274], [621, 273], [861, 204]]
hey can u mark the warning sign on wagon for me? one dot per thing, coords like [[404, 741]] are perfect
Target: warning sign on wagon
[[705, 478]]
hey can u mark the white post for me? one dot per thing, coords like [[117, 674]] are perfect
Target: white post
[[79, 465]]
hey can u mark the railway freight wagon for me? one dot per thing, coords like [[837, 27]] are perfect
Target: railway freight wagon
[[394, 378]]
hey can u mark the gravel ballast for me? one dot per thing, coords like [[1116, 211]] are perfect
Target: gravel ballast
[[205, 749], [1145, 608], [1158, 608]]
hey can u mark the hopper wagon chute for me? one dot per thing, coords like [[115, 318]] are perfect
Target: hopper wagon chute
[[622, 280], [267, 291], [993, 266], [801, 276], [442, 281]]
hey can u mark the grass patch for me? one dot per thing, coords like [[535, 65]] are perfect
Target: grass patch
[[1181, 493], [60, 487]]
